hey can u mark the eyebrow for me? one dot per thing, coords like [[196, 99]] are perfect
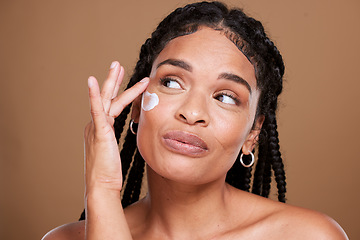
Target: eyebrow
[[235, 78], [182, 64], [176, 63]]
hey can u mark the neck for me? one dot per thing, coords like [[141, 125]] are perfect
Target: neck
[[180, 209]]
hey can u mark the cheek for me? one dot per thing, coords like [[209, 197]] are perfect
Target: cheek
[[154, 116], [239, 125], [231, 132], [149, 101], [155, 108]]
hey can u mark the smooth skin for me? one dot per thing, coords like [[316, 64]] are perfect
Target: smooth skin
[[188, 197]]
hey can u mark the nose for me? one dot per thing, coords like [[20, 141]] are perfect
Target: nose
[[194, 110]]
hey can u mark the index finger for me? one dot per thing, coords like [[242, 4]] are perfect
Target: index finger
[[120, 102]]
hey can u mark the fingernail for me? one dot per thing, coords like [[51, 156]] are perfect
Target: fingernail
[[113, 65], [90, 82], [144, 80]]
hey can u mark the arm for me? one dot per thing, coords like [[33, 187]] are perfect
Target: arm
[[105, 217]]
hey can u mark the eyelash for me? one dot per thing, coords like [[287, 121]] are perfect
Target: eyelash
[[165, 79], [233, 97]]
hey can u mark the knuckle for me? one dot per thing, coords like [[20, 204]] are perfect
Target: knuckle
[[93, 94], [95, 113], [102, 130], [103, 133]]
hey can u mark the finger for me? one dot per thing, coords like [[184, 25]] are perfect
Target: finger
[[118, 82], [96, 106], [120, 102], [107, 89]]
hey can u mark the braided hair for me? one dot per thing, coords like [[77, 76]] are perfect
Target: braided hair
[[249, 36]]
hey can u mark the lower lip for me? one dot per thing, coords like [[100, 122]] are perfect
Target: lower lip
[[183, 148]]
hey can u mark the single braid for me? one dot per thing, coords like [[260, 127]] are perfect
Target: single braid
[[266, 185], [259, 169], [276, 160], [120, 122], [264, 173], [233, 177], [127, 153], [246, 178], [133, 188]]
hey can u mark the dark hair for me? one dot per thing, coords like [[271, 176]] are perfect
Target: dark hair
[[249, 36]]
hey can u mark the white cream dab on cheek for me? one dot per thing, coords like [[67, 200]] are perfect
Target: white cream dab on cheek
[[149, 101]]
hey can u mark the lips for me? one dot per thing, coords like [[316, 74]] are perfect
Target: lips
[[185, 143]]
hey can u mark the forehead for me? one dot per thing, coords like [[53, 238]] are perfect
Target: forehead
[[209, 51]]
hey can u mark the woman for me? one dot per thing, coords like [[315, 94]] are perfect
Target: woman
[[204, 93]]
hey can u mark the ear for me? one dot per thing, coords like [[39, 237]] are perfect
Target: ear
[[253, 136], [136, 109]]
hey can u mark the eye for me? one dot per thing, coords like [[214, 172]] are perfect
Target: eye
[[170, 83], [227, 98]]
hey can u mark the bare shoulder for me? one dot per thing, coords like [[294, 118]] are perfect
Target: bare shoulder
[[300, 223], [308, 224], [70, 231], [275, 220]]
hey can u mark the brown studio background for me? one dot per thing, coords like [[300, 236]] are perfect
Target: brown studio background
[[49, 48]]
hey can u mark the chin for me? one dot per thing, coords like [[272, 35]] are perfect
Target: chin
[[182, 171]]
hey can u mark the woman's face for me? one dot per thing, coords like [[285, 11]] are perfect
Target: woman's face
[[199, 108]]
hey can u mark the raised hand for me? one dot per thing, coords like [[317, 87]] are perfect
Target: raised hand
[[102, 158], [105, 217]]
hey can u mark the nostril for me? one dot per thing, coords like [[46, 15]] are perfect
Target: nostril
[[182, 116], [193, 117]]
